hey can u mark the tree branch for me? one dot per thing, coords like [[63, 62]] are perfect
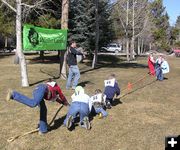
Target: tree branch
[[11, 7]]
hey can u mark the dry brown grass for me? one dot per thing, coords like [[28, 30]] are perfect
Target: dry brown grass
[[147, 114]]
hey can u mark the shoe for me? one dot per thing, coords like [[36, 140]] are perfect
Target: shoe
[[86, 123], [108, 105], [73, 88], [9, 95], [41, 133], [69, 122], [100, 115]]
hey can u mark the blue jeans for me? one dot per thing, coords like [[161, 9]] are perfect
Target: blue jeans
[[74, 74], [77, 108], [37, 100], [101, 110], [159, 74]]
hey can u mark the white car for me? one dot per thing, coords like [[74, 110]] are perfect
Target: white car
[[113, 47]]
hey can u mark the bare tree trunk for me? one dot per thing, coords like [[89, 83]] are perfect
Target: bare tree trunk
[[132, 40], [94, 63], [24, 76], [64, 25], [150, 46], [127, 39], [6, 42], [139, 47], [142, 46]]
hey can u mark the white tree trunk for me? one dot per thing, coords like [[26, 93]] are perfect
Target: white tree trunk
[[24, 76], [64, 25], [139, 47], [133, 38], [127, 39], [94, 63]]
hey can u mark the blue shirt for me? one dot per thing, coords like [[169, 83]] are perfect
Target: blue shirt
[[110, 91]]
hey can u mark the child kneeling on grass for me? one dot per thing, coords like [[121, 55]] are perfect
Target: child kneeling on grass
[[111, 89], [98, 103], [81, 105], [48, 91]]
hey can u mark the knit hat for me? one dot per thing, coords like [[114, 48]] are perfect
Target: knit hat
[[78, 90]]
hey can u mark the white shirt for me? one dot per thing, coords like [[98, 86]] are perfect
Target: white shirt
[[82, 97], [110, 82], [98, 98], [165, 67]]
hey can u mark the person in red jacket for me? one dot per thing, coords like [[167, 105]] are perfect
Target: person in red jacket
[[50, 91], [151, 63]]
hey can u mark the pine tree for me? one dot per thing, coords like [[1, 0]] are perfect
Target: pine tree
[[160, 19], [82, 22]]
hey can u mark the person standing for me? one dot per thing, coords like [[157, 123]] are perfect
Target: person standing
[[159, 72], [74, 74], [151, 63]]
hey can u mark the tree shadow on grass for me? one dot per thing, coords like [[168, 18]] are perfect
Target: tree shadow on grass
[[113, 62], [84, 83], [46, 60], [52, 76]]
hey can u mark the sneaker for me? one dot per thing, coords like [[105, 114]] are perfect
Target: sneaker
[[9, 95], [41, 133], [69, 122], [86, 123], [100, 115], [108, 105], [73, 87]]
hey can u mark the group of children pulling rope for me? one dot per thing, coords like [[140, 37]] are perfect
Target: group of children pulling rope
[[81, 106]]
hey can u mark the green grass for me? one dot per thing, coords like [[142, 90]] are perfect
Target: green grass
[[146, 115]]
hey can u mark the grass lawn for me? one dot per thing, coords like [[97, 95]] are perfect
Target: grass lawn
[[140, 120]]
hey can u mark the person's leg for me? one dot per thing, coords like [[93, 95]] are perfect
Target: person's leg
[[76, 76], [84, 113], [43, 117], [38, 95], [102, 111], [73, 110], [70, 76], [161, 77], [157, 73]]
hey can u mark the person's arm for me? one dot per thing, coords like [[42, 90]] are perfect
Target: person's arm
[[117, 89], [75, 52], [152, 59], [62, 99]]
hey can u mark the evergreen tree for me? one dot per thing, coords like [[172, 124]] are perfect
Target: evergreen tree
[[82, 22], [160, 19]]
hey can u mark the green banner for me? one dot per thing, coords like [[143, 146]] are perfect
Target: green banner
[[37, 38]]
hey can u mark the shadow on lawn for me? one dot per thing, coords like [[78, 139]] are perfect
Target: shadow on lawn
[[84, 83], [113, 62]]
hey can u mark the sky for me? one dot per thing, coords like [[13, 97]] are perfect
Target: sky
[[173, 9]]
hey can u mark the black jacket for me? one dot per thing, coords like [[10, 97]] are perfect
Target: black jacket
[[71, 57]]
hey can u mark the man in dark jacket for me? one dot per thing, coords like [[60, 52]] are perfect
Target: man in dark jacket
[[74, 73]]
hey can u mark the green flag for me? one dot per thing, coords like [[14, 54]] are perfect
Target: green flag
[[37, 38]]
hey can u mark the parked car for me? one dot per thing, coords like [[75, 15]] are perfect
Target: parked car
[[112, 47], [177, 52]]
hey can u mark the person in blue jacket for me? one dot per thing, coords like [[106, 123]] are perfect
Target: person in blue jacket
[[111, 89]]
